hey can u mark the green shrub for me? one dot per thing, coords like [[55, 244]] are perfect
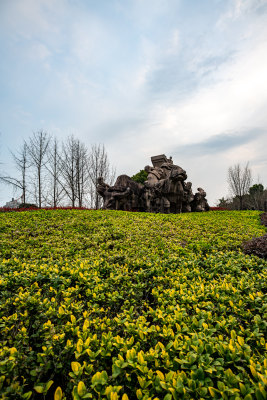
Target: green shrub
[[140, 177], [118, 305]]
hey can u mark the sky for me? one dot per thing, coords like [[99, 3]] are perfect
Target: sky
[[185, 78]]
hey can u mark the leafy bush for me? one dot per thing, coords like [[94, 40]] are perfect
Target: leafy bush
[[140, 177], [28, 205], [117, 305]]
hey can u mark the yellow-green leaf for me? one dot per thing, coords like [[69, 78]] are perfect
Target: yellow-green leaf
[[60, 310], [140, 358], [58, 393], [85, 325], [141, 381], [80, 346], [242, 388], [253, 371], [39, 389], [13, 351], [233, 334], [81, 389], [240, 340], [75, 366], [160, 375], [48, 385], [212, 391]]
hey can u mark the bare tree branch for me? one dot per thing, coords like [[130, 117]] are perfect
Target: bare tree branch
[[37, 148], [239, 181], [22, 164], [99, 166], [74, 170]]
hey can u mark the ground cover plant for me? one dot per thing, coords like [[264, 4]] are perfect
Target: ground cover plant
[[117, 305]]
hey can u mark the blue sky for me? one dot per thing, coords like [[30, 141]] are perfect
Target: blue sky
[[187, 78]]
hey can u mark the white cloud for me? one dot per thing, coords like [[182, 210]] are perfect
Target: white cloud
[[174, 43], [31, 18], [243, 7], [91, 42], [234, 101], [39, 52]]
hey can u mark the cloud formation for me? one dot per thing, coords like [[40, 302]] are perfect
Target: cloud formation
[[220, 143]]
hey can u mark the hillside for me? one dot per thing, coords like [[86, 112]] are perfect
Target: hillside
[[116, 305]]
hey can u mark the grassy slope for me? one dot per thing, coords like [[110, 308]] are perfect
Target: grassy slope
[[117, 300]]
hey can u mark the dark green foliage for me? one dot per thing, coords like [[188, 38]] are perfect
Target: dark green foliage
[[140, 177], [256, 189], [256, 199], [27, 205]]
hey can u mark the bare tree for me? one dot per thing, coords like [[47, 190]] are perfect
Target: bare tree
[[69, 172], [239, 182], [99, 166], [22, 164], [82, 175], [68, 169], [38, 150], [74, 170], [56, 192]]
